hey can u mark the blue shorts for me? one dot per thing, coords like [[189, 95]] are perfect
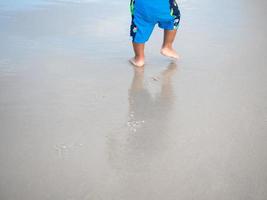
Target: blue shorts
[[147, 13]]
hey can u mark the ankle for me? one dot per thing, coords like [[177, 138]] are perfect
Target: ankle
[[166, 46], [139, 58]]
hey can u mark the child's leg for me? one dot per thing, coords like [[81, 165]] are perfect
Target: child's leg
[[170, 27], [169, 36], [139, 58], [167, 49]]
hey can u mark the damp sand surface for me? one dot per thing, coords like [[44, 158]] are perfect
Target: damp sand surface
[[78, 122]]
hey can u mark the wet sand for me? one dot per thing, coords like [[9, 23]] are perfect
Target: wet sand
[[77, 121]]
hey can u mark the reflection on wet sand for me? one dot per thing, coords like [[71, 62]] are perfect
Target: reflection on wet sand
[[148, 116], [144, 136]]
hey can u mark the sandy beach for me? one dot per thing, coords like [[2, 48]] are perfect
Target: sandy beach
[[78, 122]]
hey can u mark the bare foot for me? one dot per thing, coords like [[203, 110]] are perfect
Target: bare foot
[[137, 63], [169, 53]]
